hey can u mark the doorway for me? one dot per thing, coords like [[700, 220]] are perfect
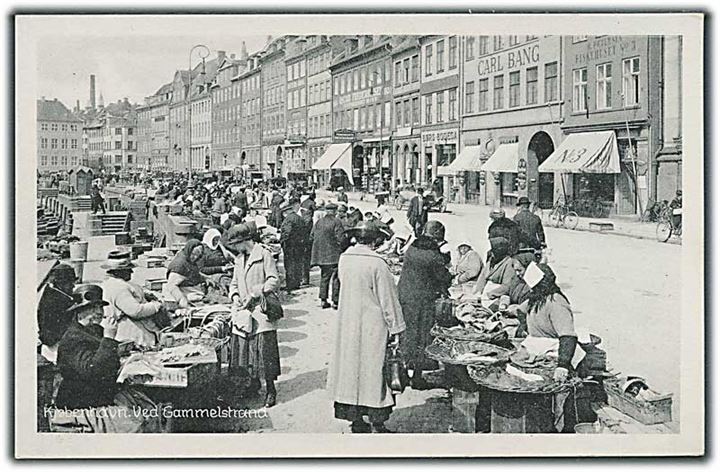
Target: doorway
[[540, 184]]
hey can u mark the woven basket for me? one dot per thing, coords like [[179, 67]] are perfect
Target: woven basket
[[466, 334], [496, 378], [448, 350], [648, 412]]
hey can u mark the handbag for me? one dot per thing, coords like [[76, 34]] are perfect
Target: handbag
[[271, 306], [396, 372]]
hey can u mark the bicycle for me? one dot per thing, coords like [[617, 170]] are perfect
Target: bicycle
[[562, 214], [667, 227]]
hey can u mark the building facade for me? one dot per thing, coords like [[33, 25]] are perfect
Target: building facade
[[179, 116], [362, 106], [612, 83], [273, 72], [406, 95], [667, 171], [94, 146], [59, 137], [512, 101], [440, 68], [159, 107], [226, 126], [120, 143], [295, 150], [251, 118], [143, 136]]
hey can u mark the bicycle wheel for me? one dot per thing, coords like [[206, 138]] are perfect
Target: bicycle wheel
[[571, 220], [663, 231], [597, 210], [554, 218]]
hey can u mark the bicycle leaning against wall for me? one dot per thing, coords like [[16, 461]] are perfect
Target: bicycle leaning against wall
[[563, 215]]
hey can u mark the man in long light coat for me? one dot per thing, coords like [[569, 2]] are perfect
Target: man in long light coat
[[369, 314]]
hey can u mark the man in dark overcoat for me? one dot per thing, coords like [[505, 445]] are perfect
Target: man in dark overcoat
[[292, 237], [417, 213], [328, 236]]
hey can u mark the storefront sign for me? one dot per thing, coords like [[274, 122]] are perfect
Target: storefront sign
[[401, 132], [363, 97], [433, 138], [522, 174], [509, 60], [344, 134], [606, 46]]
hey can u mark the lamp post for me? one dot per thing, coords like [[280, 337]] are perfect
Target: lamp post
[[204, 52]]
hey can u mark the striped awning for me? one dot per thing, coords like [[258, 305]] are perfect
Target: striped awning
[[590, 153]]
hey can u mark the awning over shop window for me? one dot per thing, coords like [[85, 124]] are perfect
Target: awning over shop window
[[331, 155], [468, 160], [344, 163], [591, 153], [504, 159]]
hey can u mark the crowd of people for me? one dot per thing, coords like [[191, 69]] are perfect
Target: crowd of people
[[374, 312]]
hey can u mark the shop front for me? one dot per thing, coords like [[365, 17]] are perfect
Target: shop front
[[438, 149], [376, 163], [406, 157]]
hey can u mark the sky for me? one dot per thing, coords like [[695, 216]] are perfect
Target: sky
[[132, 66]]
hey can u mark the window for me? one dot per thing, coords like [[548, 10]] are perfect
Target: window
[[470, 97], [416, 111], [497, 43], [514, 40], [428, 109], [363, 118], [73, 161], [44, 127], [531, 78], [53, 160], [398, 114], [415, 68], [514, 92], [363, 79], [53, 143], [129, 159], [631, 81], [440, 55], [74, 144], [356, 80], [452, 52], [428, 59], [356, 118], [386, 115], [551, 82], [130, 132], [54, 127], [118, 144], [118, 130], [64, 128], [336, 86], [43, 160], [579, 102], [603, 96], [73, 128], [378, 115], [440, 106], [43, 143], [398, 78], [470, 48], [452, 104], [406, 71], [130, 145], [407, 115], [63, 161], [498, 97]]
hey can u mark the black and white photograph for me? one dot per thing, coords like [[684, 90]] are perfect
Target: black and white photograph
[[412, 234]]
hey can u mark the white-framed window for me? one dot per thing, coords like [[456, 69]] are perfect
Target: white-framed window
[[603, 95], [579, 102], [43, 160], [440, 62], [440, 99], [428, 59], [551, 82], [428, 109], [470, 96], [452, 104], [631, 81], [514, 89], [498, 92], [531, 79], [483, 92]]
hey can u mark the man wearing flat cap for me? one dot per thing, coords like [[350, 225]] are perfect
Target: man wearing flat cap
[[292, 238], [530, 225]]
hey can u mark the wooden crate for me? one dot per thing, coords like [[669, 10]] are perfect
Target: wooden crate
[[185, 375]]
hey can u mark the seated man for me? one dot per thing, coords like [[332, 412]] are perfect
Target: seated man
[[89, 398]]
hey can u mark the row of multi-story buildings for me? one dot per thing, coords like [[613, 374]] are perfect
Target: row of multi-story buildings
[[483, 119]]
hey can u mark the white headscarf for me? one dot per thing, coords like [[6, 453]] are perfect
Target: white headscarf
[[208, 237]]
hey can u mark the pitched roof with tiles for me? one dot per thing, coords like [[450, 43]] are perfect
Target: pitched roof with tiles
[[54, 110]]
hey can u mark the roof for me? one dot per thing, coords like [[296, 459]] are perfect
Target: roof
[[54, 110], [167, 88]]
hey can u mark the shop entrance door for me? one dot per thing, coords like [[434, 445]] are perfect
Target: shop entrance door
[[539, 149], [626, 191]]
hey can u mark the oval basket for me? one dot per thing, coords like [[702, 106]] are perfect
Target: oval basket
[[466, 334], [448, 350], [496, 378]]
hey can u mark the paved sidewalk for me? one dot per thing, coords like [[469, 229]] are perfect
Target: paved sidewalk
[[623, 226]]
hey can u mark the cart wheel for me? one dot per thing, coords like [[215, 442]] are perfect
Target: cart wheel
[[571, 220], [663, 231], [398, 202]]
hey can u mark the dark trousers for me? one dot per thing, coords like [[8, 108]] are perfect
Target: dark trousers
[[307, 254], [97, 204], [293, 260], [328, 275]]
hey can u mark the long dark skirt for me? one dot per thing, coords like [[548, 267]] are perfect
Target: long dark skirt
[[419, 317], [259, 354], [343, 411]]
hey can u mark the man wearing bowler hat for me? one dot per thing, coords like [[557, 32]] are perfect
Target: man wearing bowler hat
[[530, 225], [292, 240]]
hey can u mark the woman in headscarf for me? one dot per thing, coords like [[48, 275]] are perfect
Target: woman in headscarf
[[369, 316], [499, 277], [185, 282], [216, 262], [424, 278], [253, 292]]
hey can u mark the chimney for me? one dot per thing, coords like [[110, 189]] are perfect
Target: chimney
[[220, 56], [243, 52], [77, 105], [92, 91], [101, 102], [350, 45]]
